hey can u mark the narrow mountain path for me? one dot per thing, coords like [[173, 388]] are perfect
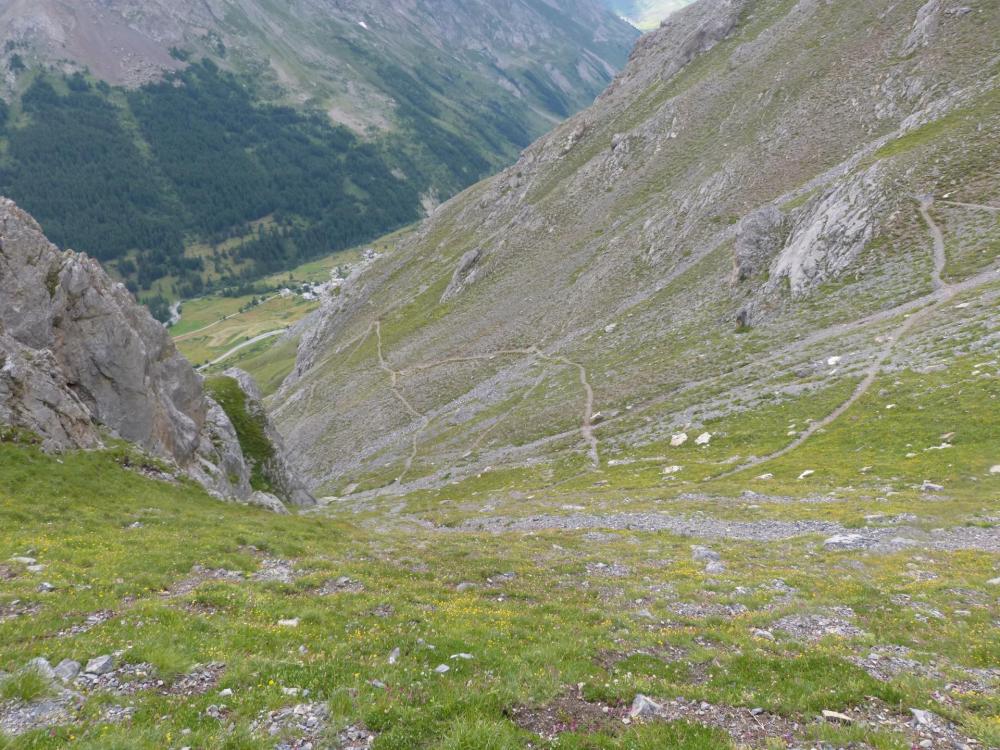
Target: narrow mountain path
[[240, 347], [980, 206], [940, 259], [394, 386], [469, 358], [587, 424], [943, 293]]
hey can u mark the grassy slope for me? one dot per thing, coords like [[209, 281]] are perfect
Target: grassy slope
[[559, 623]]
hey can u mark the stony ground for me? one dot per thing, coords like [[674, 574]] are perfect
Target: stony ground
[[136, 613]]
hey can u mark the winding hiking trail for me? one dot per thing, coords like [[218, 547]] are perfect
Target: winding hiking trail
[[937, 236], [943, 293], [394, 386], [587, 425], [586, 428]]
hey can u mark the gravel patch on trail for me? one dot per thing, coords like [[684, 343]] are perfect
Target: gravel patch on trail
[[867, 539], [18, 717], [294, 727], [706, 528]]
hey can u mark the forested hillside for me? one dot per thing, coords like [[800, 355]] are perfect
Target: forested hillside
[[191, 145], [135, 176]]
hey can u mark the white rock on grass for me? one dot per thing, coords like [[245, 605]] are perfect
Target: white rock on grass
[[678, 440], [703, 439], [394, 655], [995, 469], [643, 707], [837, 717], [290, 623], [993, 582], [269, 502], [668, 470], [807, 473], [704, 554], [67, 670], [766, 477], [442, 668], [714, 568], [463, 656], [100, 665]]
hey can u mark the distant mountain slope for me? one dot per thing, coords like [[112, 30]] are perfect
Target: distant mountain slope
[[312, 126], [776, 208], [646, 14]]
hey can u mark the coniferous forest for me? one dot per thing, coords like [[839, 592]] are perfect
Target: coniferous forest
[[132, 177]]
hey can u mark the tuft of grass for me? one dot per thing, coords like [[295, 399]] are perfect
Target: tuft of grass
[[27, 685], [808, 683]]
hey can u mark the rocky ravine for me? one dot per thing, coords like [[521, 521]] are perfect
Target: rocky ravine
[[82, 361]]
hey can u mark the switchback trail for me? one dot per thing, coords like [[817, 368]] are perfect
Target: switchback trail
[[943, 293], [394, 386]]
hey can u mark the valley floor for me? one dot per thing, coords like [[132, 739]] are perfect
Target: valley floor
[[490, 617]]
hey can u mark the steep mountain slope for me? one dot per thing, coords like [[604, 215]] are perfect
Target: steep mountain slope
[[778, 214], [82, 363], [239, 137]]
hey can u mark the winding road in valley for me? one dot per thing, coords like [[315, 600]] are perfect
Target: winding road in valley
[[244, 345]]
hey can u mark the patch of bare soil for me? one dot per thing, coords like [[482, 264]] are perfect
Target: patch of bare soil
[[342, 585], [200, 575], [568, 713]]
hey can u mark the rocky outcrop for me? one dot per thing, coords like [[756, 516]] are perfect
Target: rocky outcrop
[[465, 274], [81, 361], [284, 482], [759, 237], [833, 232]]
